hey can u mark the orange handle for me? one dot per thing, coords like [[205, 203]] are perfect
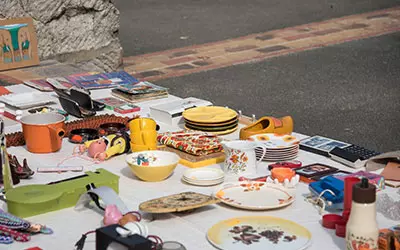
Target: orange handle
[[56, 136]]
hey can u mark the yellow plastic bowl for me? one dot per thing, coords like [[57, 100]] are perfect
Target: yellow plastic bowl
[[158, 170]]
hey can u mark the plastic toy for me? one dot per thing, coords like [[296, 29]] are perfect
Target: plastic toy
[[107, 146], [29, 200]]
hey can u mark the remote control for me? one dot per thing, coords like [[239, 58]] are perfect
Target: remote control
[[353, 156]]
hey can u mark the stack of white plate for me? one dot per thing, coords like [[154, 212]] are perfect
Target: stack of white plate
[[203, 176], [278, 147]]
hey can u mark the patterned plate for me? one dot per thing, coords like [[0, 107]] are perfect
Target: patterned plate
[[255, 195], [275, 141], [259, 233]]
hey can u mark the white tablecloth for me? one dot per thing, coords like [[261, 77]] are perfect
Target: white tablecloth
[[188, 228]]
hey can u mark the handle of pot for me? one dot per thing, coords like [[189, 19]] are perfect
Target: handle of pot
[[56, 135]]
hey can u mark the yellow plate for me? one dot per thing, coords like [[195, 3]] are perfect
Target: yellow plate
[[225, 132], [227, 234], [210, 114]]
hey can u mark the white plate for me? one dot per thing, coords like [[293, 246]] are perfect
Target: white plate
[[26, 100], [203, 174], [203, 183], [275, 141], [277, 155], [277, 158], [286, 150], [278, 150], [255, 195]]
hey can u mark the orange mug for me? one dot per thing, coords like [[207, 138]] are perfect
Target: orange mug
[[43, 132]]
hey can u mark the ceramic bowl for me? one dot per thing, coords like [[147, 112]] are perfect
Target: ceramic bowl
[[154, 165]]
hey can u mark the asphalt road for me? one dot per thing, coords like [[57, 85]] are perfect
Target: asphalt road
[[155, 25], [349, 92]]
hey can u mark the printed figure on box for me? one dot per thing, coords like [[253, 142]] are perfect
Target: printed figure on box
[[18, 43], [15, 43]]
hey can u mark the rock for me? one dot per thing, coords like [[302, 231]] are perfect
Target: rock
[[84, 32]]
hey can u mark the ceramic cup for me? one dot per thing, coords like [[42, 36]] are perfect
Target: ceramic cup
[[43, 132], [139, 124], [144, 138], [139, 147], [143, 134]]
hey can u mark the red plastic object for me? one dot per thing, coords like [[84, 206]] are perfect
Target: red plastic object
[[341, 228], [330, 220], [348, 197], [34, 248], [285, 164]]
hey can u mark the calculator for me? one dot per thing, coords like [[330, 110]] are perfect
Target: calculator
[[353, 156]]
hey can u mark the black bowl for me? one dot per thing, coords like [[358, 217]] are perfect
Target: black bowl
[[111, 128], [83, 134]]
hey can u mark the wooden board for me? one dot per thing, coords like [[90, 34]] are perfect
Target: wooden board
[[18, 43], [177, 203], [194, 161]]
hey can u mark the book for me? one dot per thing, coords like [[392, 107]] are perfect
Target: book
[[111, 102], [129, 98], [141, 88], [140, 91], [103, 80]]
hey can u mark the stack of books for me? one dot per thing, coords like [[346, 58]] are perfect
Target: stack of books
[[139, 92]]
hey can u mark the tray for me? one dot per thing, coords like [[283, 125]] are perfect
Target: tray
[[177, 203]]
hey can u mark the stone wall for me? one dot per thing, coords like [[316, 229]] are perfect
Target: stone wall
[[84, 32]]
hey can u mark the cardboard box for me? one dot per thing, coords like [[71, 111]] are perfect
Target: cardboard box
[[171, 113]]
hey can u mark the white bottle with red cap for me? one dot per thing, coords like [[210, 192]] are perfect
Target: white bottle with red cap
[[362, 228]]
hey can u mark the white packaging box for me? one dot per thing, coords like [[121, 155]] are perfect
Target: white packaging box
[[171, 113]]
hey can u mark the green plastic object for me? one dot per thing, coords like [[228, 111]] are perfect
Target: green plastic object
[[30, 200]]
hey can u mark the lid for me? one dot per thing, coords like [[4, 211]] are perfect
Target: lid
[[364, 192]]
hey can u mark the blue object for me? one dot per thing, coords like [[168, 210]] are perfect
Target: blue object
[[332, 184]]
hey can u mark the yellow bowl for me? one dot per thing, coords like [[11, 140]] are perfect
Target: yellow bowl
[[157, 170]]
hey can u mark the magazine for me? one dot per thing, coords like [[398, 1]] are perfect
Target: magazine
[[44, 85], [103, 80]]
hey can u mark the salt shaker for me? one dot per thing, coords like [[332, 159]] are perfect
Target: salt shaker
[[362, 229]]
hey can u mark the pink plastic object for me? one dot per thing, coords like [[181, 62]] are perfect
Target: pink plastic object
[[96, 148], [330, 220], [348, 191], [341, 228], [111, 215]]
